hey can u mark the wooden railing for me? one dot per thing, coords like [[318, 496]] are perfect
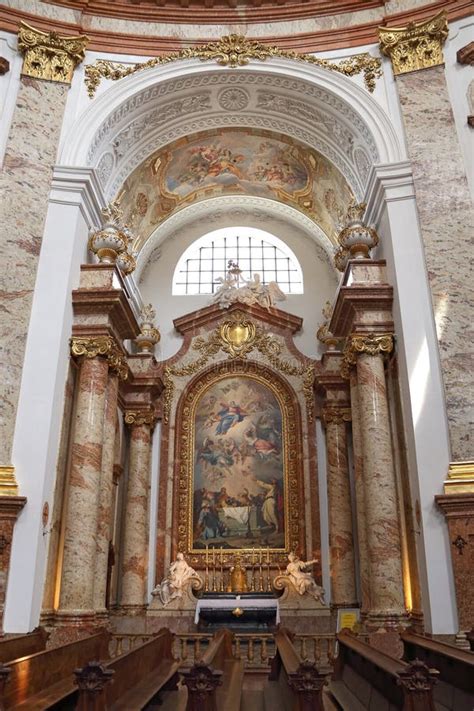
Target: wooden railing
[[256, 650]]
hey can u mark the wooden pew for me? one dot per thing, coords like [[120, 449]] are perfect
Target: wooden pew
[[40, 680], [136, 677], [300, 685], [455, 691], [214, 683], [366, 679], [22, 645]]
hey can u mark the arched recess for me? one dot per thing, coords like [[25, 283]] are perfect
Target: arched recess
[[295, 442]]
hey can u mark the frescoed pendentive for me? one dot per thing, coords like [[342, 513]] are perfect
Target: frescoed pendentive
[[239, 459]]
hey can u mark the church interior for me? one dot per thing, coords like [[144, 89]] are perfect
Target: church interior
[[236, 372]]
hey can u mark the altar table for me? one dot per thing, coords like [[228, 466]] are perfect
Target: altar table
[[231, 603]]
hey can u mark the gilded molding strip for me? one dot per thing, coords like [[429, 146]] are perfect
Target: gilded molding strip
[[234, 51], [237, 337], [8, 483], [419, 45], [101, 346], [48, 55], [460, 478]]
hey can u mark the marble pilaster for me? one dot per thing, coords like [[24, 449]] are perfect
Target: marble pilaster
[[446, 221], [361, 522], [79, 558], [106, 496], [341, 537], [135, 538], [10, 508], [381, 508]]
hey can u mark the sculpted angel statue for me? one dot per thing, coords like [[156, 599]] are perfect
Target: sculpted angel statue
[[302, 580], [180, 575], [233, 287]]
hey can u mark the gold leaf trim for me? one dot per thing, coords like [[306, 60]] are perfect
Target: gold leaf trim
[[370, 344], [101, 346], [234, 51], [8, 483], [48, 55], [419, 45], [137, 418]]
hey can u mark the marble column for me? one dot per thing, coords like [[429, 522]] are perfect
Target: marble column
[[106, 496], [361, 522], [25, 181], [80, 547], [381, 507], [444, 208], [341, 538], [10, 507], [135, 538]]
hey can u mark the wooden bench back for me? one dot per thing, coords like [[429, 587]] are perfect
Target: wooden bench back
[[35, 672], [219, 650], [134, 665], [219, 672], [23, 644]]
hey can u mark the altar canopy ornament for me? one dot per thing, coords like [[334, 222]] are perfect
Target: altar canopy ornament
[[356, 238], [419, 45], [48, 55], [112, 243], [149, 335], [234, 51], [234, 288]]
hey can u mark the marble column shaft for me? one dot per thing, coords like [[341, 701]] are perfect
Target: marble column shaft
[[446, 221], [135, 539], [341, 538], [79, 558], [357, 454], [381, 508], [25, 182], [106, 495]]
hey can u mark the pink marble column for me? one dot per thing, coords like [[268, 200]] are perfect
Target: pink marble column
[[135, 538], [381, 508], [361, 524], [106, 495], [341, 539], [79, 558]]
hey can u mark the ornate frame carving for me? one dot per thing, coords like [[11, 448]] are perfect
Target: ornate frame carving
[[184, 463]]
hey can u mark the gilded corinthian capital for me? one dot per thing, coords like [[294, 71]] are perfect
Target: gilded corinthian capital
[[48, 55], [101, 346], [336, 415], [371, 344], [419, 45], [136, 418]]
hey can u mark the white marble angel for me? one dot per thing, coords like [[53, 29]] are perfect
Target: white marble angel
[[180, 576], [303, 581]]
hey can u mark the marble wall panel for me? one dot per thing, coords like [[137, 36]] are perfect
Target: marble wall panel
[[446, 220], [24, 187]]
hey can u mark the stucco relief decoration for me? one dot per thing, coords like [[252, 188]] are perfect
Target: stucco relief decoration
[[234, 161], [48, 55], [238, 464], [233, 99], [234, 51], [419, 45], [234, 288]]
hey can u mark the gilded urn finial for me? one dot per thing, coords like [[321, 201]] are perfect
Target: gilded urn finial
[[149, 334]]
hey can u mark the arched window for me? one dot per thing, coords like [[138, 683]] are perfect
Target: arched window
[[255, 251]]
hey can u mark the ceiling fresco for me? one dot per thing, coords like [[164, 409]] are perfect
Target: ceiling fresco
[[233, 162]]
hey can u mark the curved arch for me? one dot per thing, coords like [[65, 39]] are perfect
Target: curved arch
[[347, 111]]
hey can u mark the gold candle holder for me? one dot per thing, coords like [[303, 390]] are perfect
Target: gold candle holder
[[221, 586]]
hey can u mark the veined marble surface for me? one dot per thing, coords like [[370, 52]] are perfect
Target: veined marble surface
[[446, 219], [24, 187]]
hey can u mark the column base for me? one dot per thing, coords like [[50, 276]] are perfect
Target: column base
[[387, 619], [132, 610], [75, 618], [344, 605]]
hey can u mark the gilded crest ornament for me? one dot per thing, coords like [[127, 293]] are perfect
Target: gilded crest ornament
[[234, 51], [237, 337], [48, 55], [419, 45]]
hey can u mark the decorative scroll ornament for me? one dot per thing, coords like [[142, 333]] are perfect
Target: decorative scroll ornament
[[93, 677], [323, 333], [48, 55], [336, 415], [356, 239], [149, 334], [238, 336], [137, 418], [101, 346], [417, 46], [234, 51], [417, 677], [371, 344]]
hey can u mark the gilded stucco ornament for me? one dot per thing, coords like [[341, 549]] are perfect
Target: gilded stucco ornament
[[149, 335], [48, 55], [8, 483], [370, 344], [356, 238], [234, 51], [238, 336], [137, 418], [105, 346], [419, 45], [336, 415]]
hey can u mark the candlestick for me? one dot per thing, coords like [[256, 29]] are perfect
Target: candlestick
[[268, 555], [260, 556], [222, 572]]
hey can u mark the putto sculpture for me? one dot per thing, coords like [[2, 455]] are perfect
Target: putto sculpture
[[234, 288], [180, 578]]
